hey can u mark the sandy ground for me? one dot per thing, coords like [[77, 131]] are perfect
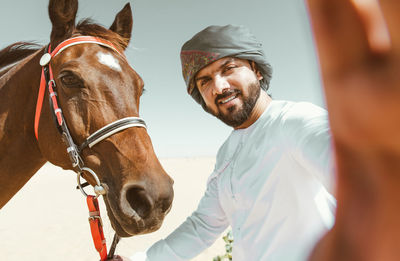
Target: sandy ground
[[47, 219]]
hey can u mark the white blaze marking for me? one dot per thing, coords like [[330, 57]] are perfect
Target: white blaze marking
[[109, 60]]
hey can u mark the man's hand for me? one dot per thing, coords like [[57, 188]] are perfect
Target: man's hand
[[360, 65], [358, 43]]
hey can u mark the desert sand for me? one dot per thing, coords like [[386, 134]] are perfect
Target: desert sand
[[47, 218]]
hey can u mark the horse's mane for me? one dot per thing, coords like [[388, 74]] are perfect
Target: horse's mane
[[88, 27], [16, 52]]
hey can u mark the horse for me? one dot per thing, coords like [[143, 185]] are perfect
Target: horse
[[91, 122], [359, 51]]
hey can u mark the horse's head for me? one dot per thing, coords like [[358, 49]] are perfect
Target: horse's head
[[96, 86]]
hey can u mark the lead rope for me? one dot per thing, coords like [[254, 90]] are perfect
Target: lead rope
[[96, 227], [96, 223], [113, 246]]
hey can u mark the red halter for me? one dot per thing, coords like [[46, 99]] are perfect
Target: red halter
[[45, 60], [94, 211]]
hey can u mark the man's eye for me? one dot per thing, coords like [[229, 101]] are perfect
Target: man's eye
[[228, 68], [203, 82], [71, 81]]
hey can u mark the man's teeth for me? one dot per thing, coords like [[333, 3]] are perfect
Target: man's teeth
[[229, 99]]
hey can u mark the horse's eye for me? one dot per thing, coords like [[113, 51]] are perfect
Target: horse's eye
[[70, 80]]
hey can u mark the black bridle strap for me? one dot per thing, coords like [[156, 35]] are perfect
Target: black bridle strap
[[111, 129]]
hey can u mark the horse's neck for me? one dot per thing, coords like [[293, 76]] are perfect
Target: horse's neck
[[20, 156]]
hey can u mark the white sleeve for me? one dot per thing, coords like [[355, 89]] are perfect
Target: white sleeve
[[307, 131], [197, 233]]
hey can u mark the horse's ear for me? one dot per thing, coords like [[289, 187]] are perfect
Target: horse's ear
[[62, 14], [123, 22]]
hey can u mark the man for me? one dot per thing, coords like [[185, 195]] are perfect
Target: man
[[359, 49], [272, 174]]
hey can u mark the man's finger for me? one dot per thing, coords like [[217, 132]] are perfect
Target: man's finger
[[391, 11], [374, 22], [340, 34]]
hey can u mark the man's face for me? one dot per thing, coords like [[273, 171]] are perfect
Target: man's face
[[230, 88]]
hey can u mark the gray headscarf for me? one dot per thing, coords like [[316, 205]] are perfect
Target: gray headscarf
[[215, 42]]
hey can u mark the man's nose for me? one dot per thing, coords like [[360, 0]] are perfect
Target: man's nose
[[220, 85]]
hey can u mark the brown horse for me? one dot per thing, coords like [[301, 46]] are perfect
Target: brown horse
[[359, 49], [95, 87]]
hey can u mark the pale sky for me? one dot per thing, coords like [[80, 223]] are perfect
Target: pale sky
[[177, 125]]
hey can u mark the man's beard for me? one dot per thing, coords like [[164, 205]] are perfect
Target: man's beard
[[236, 117]]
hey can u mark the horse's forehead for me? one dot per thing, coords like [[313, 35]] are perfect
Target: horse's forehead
[[93, 53], [101, 60], [109, 60]]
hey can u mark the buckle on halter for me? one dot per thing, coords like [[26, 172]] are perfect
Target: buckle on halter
[[93, 218], [53, 84], [74, 157]]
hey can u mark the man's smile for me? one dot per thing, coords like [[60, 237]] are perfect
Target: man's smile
[[227, 98], [230, 98]]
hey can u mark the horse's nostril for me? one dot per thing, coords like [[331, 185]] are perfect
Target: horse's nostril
[[166, 205], [140, 201], [166, 202]]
